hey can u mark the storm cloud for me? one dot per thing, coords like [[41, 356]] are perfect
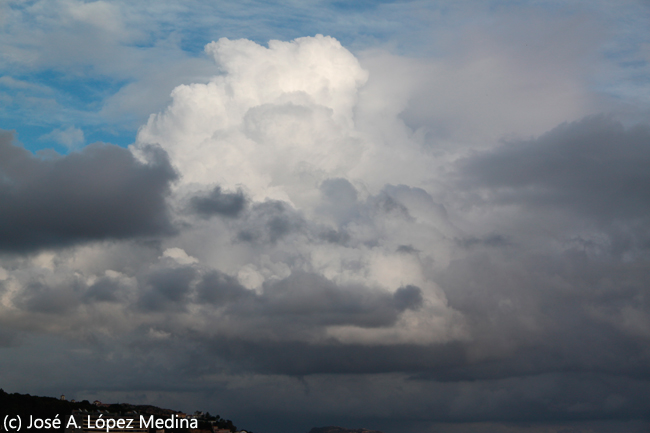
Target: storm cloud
[[595, 167], [217, 202], [100, 192], [310, 236]]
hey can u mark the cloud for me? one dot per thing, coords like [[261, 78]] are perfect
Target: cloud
[[218, 203], [567, 306], [589, 176], [273, 113], [167, 289], [13, 83], [486, 253], [270, 221], [596, 167], [101, 192], [71, 137], [295, 226]]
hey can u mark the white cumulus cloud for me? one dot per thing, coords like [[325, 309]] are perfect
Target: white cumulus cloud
[[327, 196]]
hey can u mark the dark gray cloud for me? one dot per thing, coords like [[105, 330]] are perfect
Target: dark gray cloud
[[8, 338], [586, 184], [334, 236], [104, 290], [537, 314], [269, 222], [295, 358], [59, 299], [407, 249], [217, 202], [339, 200], [491, 240], [300, 303], [312, 299], [554, 339], [167, 289], [596, 168], [408, 298], [101, 192], [217, 288]]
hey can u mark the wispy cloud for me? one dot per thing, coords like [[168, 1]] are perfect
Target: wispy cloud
[[71, 137]]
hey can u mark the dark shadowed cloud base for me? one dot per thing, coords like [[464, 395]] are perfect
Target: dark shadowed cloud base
[[101, 192]]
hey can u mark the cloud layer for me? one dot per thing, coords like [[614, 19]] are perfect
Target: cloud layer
[[297, 234]]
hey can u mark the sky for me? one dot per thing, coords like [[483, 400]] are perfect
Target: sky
[[410, 216]]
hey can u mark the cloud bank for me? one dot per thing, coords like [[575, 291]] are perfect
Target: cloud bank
[[100, 192], [295, 238]]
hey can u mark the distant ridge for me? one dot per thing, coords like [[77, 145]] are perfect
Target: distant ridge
[[333, 429]]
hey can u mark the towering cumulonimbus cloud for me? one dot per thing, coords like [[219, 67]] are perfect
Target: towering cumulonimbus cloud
[[309, 228], [278, 120], [268, 217], [278, 125]]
